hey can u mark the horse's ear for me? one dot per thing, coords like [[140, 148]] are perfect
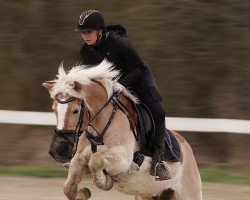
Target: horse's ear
[[48, 85], [77, 86]]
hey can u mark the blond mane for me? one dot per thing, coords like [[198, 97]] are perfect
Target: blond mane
[[104, 73]]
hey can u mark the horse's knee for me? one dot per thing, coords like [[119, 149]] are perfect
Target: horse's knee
[[96, 162]]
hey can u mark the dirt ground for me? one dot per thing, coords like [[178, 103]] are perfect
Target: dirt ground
[[31, 149], [30, 188]]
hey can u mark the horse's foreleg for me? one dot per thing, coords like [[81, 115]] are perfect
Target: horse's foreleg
[[112, 161], [102, 180], [77, 170]]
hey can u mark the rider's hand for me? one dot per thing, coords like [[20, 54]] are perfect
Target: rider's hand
[[117, 87]]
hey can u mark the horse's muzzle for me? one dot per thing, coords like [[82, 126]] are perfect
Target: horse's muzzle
[[62, 147]]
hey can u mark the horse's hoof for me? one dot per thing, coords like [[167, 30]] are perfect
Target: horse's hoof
[[109, 183], [104, 182], [83, 194], [133, 168]]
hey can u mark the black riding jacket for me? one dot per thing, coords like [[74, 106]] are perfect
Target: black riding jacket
[[119, 51], [135, 72]]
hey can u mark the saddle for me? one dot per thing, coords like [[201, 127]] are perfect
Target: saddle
[[141, 120]]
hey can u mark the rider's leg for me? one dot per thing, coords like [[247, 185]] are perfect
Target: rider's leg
[[151, 97], [159, 169]]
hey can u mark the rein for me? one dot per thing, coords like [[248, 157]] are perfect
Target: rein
[[98, 140], [95, 140]]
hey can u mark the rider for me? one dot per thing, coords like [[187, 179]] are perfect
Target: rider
[[135, 75]]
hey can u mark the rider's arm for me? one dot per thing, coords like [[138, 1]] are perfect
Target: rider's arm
[[133, 62]]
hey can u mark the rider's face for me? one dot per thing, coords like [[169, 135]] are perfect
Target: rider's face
[[90, 37]]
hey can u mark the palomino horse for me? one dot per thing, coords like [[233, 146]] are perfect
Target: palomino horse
[[103, 141]]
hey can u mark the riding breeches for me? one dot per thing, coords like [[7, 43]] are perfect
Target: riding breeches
[[149, 95]]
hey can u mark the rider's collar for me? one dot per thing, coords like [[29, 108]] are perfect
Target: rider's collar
[[102, 40]]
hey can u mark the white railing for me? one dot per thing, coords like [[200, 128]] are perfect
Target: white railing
[[173, 123]]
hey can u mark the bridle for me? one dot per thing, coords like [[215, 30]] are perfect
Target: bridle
[[94, 140], [77, 131], [74, 133]]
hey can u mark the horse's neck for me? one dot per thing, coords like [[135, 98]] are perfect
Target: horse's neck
[[95, 97]]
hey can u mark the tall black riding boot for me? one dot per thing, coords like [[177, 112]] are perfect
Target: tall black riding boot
[[159, 169]]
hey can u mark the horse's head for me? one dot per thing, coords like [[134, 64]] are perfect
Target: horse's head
[[69, 92], [70, 112]]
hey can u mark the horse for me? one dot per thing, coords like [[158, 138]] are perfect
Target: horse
[[95, 136]]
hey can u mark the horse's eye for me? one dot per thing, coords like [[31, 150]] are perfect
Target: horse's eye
[[75, 111]]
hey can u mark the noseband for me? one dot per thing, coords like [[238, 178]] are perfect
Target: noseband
[[94, 140]]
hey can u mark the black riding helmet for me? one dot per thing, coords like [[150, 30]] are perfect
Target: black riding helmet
[[90, 20]]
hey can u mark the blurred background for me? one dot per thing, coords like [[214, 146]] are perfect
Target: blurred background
[[198, 50]]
